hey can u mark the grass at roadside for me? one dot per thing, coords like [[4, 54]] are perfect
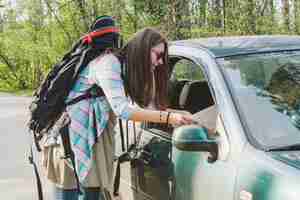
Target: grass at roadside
[[18, 92]]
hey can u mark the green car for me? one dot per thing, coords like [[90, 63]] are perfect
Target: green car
[[244, 93]]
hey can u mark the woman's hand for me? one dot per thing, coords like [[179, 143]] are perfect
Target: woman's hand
[[178, 119]]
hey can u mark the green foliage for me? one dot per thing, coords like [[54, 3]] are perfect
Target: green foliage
[[187, 70], [35, 34]]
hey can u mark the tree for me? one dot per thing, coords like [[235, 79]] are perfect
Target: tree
[[35, 34], [179, 19], [286, 14], [217, 10], [59, 21], [251, 16], [81, 4], [296, 16]]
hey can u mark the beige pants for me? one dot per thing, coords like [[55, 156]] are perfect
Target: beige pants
[[58, 171]]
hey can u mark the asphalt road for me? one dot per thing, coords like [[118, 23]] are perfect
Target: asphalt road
[[17, 180]]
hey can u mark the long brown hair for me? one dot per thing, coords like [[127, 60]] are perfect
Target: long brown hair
[[137, 69]]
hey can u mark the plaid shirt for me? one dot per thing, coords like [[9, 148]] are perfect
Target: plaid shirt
[[89, 117]]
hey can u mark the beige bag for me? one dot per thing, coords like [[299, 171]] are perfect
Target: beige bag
[[57, 169]]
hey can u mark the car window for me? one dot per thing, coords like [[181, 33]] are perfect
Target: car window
[[187, 82], [266, 88]]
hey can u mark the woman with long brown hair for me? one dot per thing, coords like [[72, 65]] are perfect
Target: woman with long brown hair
[[131, 80]]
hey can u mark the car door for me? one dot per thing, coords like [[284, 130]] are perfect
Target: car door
[[155, 177], [196, 177], [154, 167]]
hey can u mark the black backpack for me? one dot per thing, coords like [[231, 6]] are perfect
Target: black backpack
[[49, 100]]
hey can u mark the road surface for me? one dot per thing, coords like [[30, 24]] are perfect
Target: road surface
[[17, 180]]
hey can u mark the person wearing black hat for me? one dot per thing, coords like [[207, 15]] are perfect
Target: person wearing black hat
[[103, 36]]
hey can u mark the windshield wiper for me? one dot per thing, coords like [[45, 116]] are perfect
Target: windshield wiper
[[294, 147]]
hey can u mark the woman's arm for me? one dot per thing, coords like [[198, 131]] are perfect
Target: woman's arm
[[161, 117], [106, 73]]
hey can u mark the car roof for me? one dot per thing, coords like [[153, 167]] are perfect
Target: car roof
[[240, 45]]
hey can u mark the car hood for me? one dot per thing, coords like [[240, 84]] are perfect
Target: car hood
[[291, 158]]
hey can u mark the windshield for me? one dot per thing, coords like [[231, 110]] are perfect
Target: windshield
[[266, 88]]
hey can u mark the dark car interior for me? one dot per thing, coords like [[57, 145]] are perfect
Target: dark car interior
[[192, 96], [185, 93]]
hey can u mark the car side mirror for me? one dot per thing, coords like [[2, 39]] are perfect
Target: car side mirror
[[194, 138]]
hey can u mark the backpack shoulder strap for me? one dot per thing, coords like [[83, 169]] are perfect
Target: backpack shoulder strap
[[88, 94], [36, 172]]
